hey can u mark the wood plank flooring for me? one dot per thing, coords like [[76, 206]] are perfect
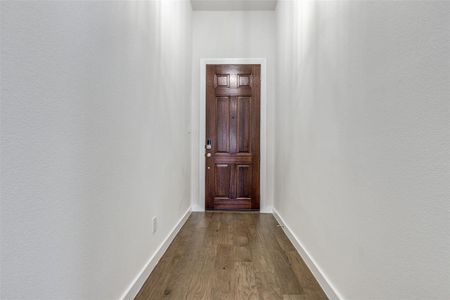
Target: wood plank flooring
[[226, 255]]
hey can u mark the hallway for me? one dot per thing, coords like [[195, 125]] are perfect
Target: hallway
[[124, 123], [225, 255]]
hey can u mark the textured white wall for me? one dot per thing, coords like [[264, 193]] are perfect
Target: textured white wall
[[363, 142], [233, 34], [95, 102]]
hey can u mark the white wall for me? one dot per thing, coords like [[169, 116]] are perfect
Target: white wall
[[362, 143], [95, 102], [232, 34]]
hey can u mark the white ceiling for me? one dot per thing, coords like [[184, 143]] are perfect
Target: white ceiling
[[233, 4]]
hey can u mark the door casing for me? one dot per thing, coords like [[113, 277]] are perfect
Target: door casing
[[202, 128]]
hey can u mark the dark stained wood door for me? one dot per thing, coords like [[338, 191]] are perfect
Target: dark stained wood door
[[232, 136]]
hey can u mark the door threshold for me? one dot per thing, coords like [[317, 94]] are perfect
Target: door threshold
[[233, 211]]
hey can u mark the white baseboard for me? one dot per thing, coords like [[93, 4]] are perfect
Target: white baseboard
[[196, 207], [323, 280], [266, 210], [140, 279]]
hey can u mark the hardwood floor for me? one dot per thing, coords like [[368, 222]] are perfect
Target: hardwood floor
[[225, 255]]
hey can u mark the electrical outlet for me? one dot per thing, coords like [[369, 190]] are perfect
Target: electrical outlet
[[154, 224]]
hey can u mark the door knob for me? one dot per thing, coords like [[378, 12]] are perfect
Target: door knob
[[208, 154]]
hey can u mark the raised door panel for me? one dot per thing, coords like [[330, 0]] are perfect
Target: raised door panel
[[244, 118], [244, 80], [222, 80], [223, 124], [244, 181], [222, 180]]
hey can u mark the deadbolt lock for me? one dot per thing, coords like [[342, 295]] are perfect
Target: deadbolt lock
[[209, 144]]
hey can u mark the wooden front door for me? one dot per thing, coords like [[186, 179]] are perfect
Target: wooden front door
[[232, 136]]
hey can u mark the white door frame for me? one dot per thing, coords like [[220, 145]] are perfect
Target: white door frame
[[263, 136]]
